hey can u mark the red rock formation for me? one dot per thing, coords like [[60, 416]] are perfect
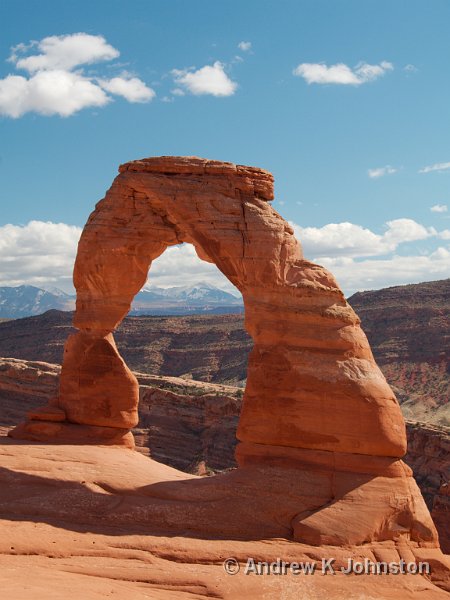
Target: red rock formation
[[191, 426], [315, 403], [86, 522]]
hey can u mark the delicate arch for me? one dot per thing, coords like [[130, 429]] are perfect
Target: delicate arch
[[312, 384]]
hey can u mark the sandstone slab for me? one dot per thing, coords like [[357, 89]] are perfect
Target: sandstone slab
[[90, 522]]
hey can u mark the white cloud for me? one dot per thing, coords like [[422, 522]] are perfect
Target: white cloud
[[340, 73], [43, 253], [350, 240], [55, 88], [39, 253], [132, 89], [435, 167], [361, 259], [400, 231], [381, 171], [208, 80], [49, 93], [245, 46], [439, 208], [180, 265], [410, 68], [371, 274], [64, 52]]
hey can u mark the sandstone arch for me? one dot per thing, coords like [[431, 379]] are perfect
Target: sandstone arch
[[315, 403], [312, 382]]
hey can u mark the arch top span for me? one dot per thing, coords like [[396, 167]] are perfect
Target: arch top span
[[258, 182]]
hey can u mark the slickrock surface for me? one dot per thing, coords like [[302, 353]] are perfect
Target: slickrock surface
[[86, 522]]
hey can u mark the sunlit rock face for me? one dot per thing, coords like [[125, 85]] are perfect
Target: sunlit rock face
[[315, 401]]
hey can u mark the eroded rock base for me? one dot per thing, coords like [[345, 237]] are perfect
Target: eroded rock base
[[85, 521], [51, 432]]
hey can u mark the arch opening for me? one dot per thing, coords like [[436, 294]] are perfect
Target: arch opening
[[187, 321]]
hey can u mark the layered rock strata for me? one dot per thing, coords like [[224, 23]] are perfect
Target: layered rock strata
[[315, 401]]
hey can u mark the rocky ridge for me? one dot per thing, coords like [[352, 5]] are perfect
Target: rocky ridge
[[409, 330], [205, 348]]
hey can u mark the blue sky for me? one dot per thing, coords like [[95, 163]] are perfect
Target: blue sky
[[346, 102]]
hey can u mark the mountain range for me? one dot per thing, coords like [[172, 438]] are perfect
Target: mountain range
[[199, 298]]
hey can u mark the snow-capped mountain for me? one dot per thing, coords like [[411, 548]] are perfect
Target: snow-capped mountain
[[192, 293], [189, 299], [28, 300], [198, 298]]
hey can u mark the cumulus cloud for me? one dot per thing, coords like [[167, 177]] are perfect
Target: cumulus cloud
[[370, 274], [57, 85], [340, 73], [350, 240], [39, 253], [362, 260], [245, 46], [435, 167], [210, 79], [180, 265], [43, 253], [49, 93], [439, 208], [63, 52], [132, 89], [381, 171]]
